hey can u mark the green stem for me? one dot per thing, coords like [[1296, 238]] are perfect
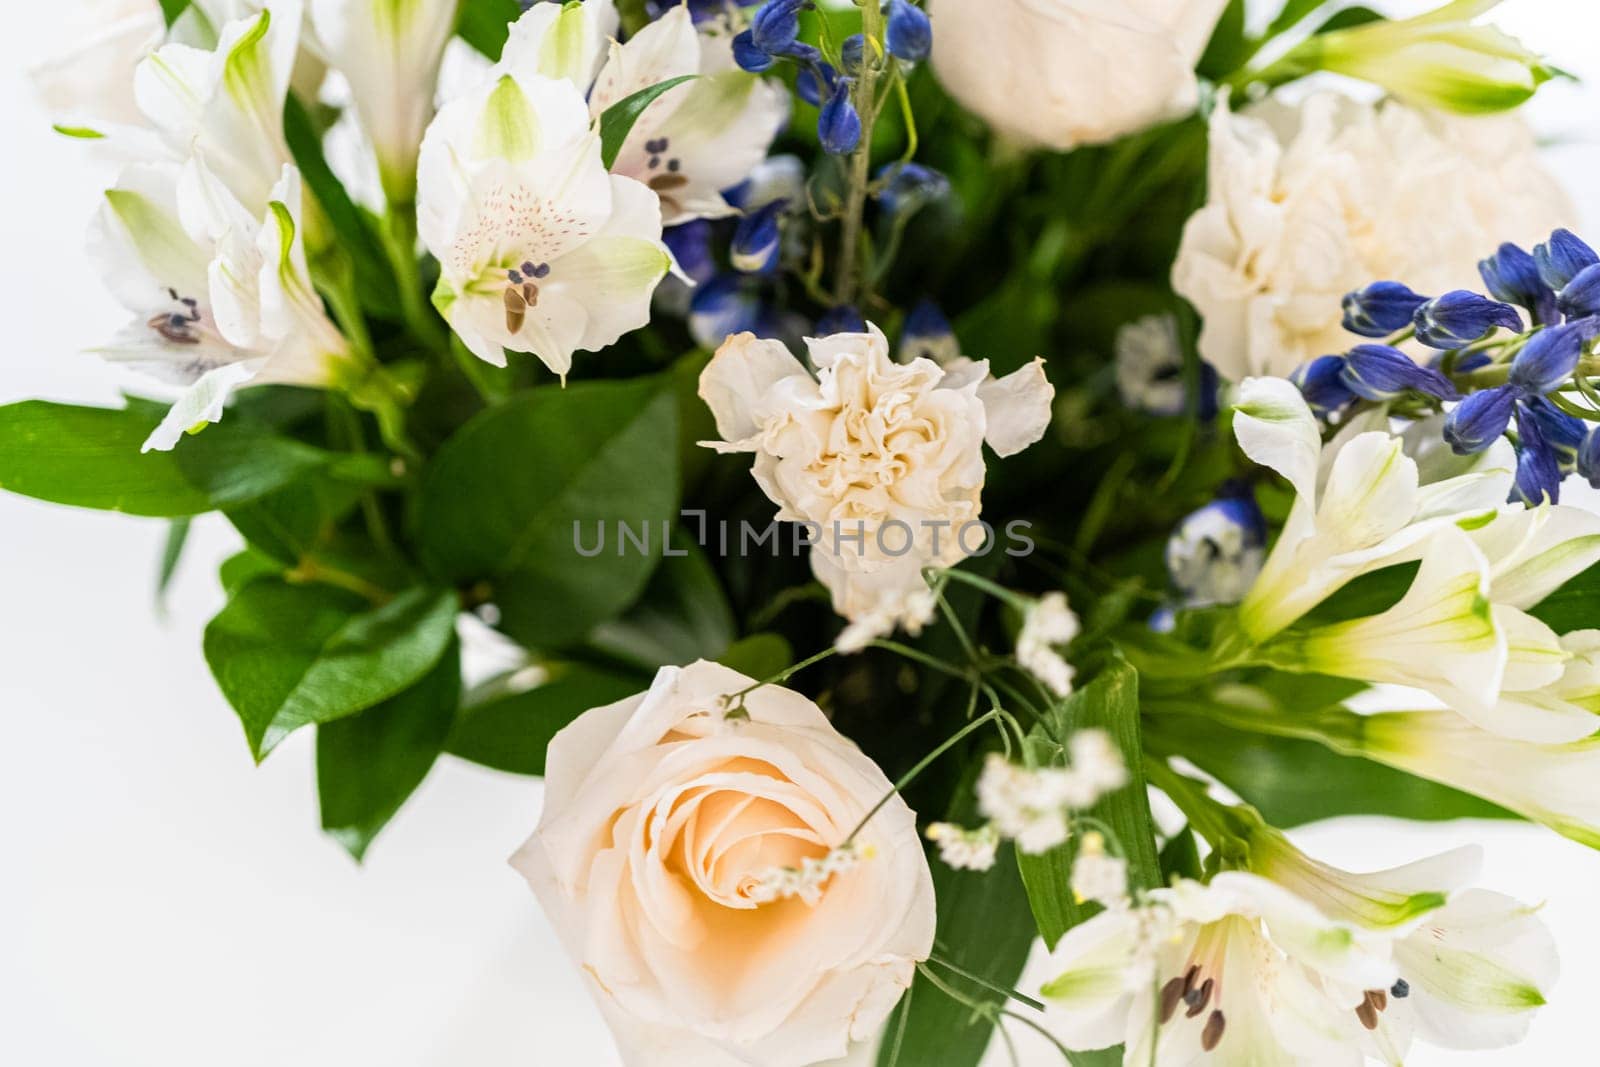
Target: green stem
[[1208, 817], [918, 656], [994, 589], [312, 571], [846, 289], [984, 983], [400, 245], [927, 761], [347, 427]]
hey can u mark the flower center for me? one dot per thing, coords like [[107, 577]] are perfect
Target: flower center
[[666, 175], [177, 325], [522, 293]]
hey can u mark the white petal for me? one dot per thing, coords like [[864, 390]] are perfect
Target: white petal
[[1371, 493], [1089, 990], [204, 402], [566, 41], [1017, 408], [736, 382], [1536, 551], [1276, 429]]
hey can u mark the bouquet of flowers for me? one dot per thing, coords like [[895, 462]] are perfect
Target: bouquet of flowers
[[937, 477]]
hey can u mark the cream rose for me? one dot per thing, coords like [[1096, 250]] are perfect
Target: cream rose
[[670, 820], [1311, 202], [1061, 73], [883, 460]]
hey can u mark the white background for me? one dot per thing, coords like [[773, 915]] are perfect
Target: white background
[[163, 903]]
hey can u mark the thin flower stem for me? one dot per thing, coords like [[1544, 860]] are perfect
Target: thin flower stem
[[850, 250], [902, 1018], [735, 699], [1041, 1031], [1207, 816], [399, 233], [918, 656], [993, 715], [979, 980], [347, 426], [994, 589], [312, 571]]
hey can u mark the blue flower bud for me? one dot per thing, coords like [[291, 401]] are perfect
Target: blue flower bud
[[852, 54], [1480, 420], [749, 55], [839, 127], [776, 27], [1589, 458], [1581, 297], [1512, 275], [842, 319], [1469, 362], [1538, 471], [690, 245], [815, 83], [700, 10], [910, 34], [1563, 434], [1381, 309], [1459, 318], [1378, 372], [1563, 258], [911, 187], [724, 306], [928, 335], [1549, 359], [757, 238], [1321, 382]]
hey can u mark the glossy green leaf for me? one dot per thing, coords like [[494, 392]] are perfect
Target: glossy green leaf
[[89, 457], [510, 733], [171, 556], [295, 521], [1228, 48], [1297, 782], [287, 656], [759, 656], [1180, 857], [682, 617], [240, 569], [617, 121], [369, 763], [1575, 606], [514, 495], [1109, 703], [172, 9], [1294, 12], [485, 24]]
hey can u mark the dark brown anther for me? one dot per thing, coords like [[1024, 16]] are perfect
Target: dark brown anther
[[663, 182], [1379, 999], [1197, 999], [1190, 977], [1367, 1014], [1211, 1036], [530, 293], [1171, 994], [516, 311]]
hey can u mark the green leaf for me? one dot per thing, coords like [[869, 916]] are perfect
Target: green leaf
[[1297, 782], [295, 521], [984, 927], [1228, 49], [287, 656], [1180, 858], [355, 238], [1109, 703], [509, 499], [759, 656], [172, 9], [616, 122], [369, 763], [510, 733], [239, 570], [1575, 606], [171, 555], [1349, 19], [683, 616], [89, 457], [485, 24], [1294, 12]]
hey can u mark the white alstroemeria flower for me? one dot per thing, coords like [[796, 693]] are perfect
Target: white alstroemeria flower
[[540, 250], [691, 143], [882, 461], [1049, 624], [221, 298], [1063, 73], [85, 87], [1240, 968], [391, 54], [1360, 504], [1552, 784]]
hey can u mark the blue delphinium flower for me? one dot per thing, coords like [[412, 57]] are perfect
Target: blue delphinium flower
[[1563, 434], [816, 83], [927, 334], [842, 319], [852, 54], [758, 239], [1581, 297], [690, 245], [1460, 318], [1378, 372], [1381, 309], [1480, 420], [1550, 357], [1589, 458], [910, 187], [1512, 275], [699, 10], [1216, 553], [839, 126], [1538, 469], [910, 33], [774, 34], [729, 304], [1563, 258], [1322, 383]]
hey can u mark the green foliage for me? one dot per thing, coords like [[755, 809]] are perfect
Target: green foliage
[[683, 615], [508, 498], [89, 457], [1575, 606], [1109, 703], [172, 9], [510, 732], [486, 24], [287, 656], [370, 762], [618, 120]]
